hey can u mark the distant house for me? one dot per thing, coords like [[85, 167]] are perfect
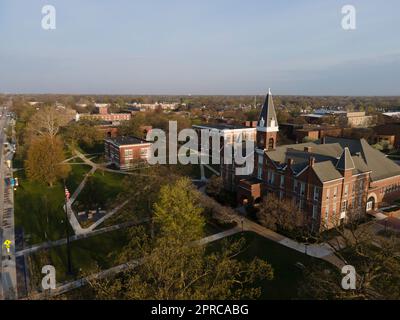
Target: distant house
[[103, 114], [389, 132], [352, 119], [125, 152]]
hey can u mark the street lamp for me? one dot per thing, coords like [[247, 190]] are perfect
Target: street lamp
[[67, 233]]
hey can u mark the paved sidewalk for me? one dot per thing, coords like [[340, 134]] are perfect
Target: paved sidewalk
[[322, 251], [50, 244], [65, 287]]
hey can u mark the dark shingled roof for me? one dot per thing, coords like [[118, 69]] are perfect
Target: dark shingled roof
[[334, 156], [380, 166], [222, 126], [267, 112], [345, 161], [126, 140]]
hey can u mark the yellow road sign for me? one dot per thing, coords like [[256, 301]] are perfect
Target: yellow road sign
[[7, 243]]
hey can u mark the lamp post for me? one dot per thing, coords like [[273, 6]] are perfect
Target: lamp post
[[67, 232]]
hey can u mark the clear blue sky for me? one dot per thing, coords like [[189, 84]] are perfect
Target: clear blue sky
[[200, 47]]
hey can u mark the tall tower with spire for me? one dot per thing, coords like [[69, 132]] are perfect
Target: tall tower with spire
[[267, 125]]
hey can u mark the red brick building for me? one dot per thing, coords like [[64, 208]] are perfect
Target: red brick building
[[104, 115], [330, 180], [126, 152]]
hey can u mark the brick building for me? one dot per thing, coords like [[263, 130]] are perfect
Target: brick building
[[330, 180], [317, 132], [228, 133], [126, 152], [104, 115]]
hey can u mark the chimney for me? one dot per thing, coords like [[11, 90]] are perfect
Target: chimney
[[311, 162], [289, 162], [307, 149], [323, 140]]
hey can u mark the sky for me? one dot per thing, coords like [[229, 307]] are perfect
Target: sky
[[200, 47]]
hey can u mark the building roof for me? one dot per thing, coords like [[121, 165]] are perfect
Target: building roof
[[126, 140], [345, 161], [380, 166], [326, 171], [267, 112], [223, 126], [335, 155]]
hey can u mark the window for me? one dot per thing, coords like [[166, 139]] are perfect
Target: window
[[301, 204], [315, 211], [128, 154], [316, 193], [294, 185], [328, 194], [144, 153], [326, 214], [346, 190], [334, 209], [271, 144], [335, 192], [344, 206], [302, 188], [260, 167], [282, 180]]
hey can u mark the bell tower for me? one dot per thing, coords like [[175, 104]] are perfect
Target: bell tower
[[267, 125]]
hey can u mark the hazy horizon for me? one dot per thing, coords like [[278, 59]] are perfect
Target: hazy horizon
[[200, 48]]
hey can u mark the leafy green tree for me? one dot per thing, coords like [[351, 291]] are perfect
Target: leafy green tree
[[45, 160], [175, 265]]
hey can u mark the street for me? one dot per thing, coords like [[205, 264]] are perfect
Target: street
[[8, 284]]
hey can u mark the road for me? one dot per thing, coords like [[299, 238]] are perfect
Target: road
[[8, 284]]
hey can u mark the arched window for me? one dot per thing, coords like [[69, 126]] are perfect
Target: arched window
[[271, 143]]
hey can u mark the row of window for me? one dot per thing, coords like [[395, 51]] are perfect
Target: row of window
[[144, 153], [389, 189]]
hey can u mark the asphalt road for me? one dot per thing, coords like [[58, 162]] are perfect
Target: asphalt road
[[7, 266]]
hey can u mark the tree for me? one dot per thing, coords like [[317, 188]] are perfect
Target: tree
[[375, 259], [44, 160], [47, 121], [214, 186], [177, 212], [275, 213], [83, 133], [175, 265]]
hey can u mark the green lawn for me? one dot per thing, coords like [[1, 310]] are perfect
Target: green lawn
[[39, 208], [103, 188], [101, 250], [287, 276]]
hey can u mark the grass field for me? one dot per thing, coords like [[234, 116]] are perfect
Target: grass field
[[104, 187], [39, 208], [101, 250], [287, 276]]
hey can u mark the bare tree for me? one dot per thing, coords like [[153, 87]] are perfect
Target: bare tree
[[47, 121]]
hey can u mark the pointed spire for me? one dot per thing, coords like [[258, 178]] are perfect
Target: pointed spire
[[345, 161], [267, 118]]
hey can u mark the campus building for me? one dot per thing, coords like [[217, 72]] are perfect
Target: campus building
[[227, 134], [126, 152], [103, 114], [330, 180]]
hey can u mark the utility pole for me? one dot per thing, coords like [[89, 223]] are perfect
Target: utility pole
[[67, 231]]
